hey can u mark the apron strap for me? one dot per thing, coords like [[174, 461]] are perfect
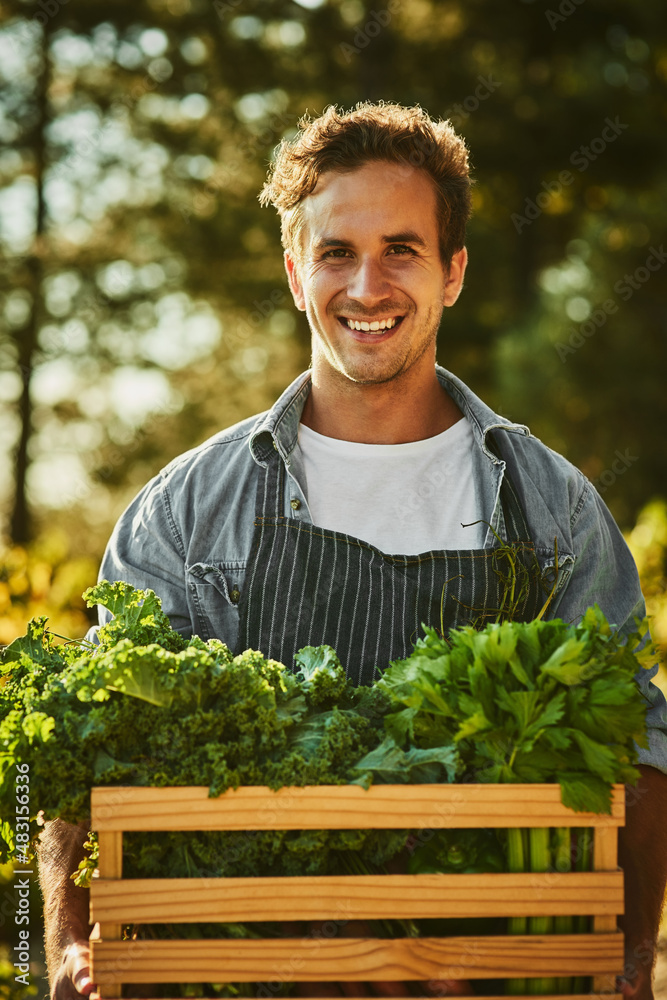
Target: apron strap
[[269, 502], [269, 498], [309, 586]]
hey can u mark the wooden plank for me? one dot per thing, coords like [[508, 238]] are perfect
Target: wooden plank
[[110, 863], [605, 858], [363, 959], [342, 807], [605, 849], [112, 990], [110, 866], [356, 897]]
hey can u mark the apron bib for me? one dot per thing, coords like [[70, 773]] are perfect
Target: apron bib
[[308, 586]]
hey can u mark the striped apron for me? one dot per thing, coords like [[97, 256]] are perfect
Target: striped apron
[[308, 586]]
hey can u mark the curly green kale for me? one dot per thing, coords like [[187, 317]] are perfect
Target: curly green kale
[[147, 707]]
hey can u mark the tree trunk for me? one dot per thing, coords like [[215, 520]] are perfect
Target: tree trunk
[[20, 521]]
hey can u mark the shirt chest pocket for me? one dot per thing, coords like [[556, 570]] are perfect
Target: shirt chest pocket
[[214, 592]]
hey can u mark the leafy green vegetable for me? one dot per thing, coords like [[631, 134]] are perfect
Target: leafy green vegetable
[[147, 707], [458, 851], [137, 615], [526, 701], [540, 701], [392, 765], [514, 702]]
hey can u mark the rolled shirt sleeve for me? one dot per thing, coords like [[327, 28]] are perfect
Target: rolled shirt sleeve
[[146, 551], [605, 573]]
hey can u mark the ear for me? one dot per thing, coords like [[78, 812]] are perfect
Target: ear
[[294, 282], [454, 281]]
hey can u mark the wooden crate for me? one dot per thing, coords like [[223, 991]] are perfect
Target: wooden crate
[[115, 901]]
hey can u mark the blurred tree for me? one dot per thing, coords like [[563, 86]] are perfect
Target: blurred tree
[[148, 307], [120, 287], [31, 277]]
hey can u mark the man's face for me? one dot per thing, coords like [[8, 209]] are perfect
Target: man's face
[[370, 277]]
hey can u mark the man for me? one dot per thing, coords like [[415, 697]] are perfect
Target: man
[[311, 523]]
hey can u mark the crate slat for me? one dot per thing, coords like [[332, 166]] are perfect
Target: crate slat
[[351, 959], [479, 996], [347, 959], [357, 897], [605, 858], [342, 807], [110, 866]]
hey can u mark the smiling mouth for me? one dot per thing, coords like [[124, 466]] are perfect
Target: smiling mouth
[[371, 326]]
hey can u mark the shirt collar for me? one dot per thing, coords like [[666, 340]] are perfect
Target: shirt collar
[[482, 418], [279, 427]]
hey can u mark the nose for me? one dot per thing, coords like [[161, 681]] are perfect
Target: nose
[[369, 284]]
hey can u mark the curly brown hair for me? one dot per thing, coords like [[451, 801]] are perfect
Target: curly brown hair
[[347, 140]]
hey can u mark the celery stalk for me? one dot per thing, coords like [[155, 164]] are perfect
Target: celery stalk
[[516, 862], [584, 858], [563, 863], [540, 861]]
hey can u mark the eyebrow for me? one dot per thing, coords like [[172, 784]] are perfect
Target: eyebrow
[[408, 236]]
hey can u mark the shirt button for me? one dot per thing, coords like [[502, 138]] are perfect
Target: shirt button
[[295, 504], [234, 596]]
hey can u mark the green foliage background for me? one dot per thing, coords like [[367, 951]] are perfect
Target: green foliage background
[[143, 303]]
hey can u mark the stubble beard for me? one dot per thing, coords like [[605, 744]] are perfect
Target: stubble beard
[[378, 372]]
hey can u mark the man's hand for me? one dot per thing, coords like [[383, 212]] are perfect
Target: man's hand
[[72, 980], [66, 924]]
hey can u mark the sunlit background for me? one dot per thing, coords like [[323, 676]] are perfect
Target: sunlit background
[[143, 303]]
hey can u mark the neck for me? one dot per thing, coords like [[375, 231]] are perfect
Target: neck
[[378, 414]]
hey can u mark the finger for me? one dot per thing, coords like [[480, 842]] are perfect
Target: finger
[[77, 968], [629, 988], [66, 987], [82, 981]]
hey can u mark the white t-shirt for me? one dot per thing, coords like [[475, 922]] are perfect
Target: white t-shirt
[[401, 498]]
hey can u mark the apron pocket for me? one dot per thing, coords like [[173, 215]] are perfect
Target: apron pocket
[[547, 561], [215, 592]]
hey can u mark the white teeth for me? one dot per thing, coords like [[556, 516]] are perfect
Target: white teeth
[[362, 326]]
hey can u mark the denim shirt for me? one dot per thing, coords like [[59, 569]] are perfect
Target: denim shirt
[[188, 533]]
